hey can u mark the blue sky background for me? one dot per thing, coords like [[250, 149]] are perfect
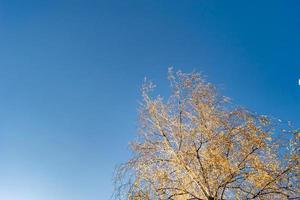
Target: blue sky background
[[70, 73]]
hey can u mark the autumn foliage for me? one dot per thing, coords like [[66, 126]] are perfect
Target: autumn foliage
[[197, 145]]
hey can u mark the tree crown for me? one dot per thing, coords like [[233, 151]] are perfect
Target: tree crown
[[197, 145]]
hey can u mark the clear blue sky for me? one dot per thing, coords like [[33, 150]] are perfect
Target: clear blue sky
[[70, 73]]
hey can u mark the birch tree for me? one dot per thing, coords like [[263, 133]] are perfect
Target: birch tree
[[197, 145]]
